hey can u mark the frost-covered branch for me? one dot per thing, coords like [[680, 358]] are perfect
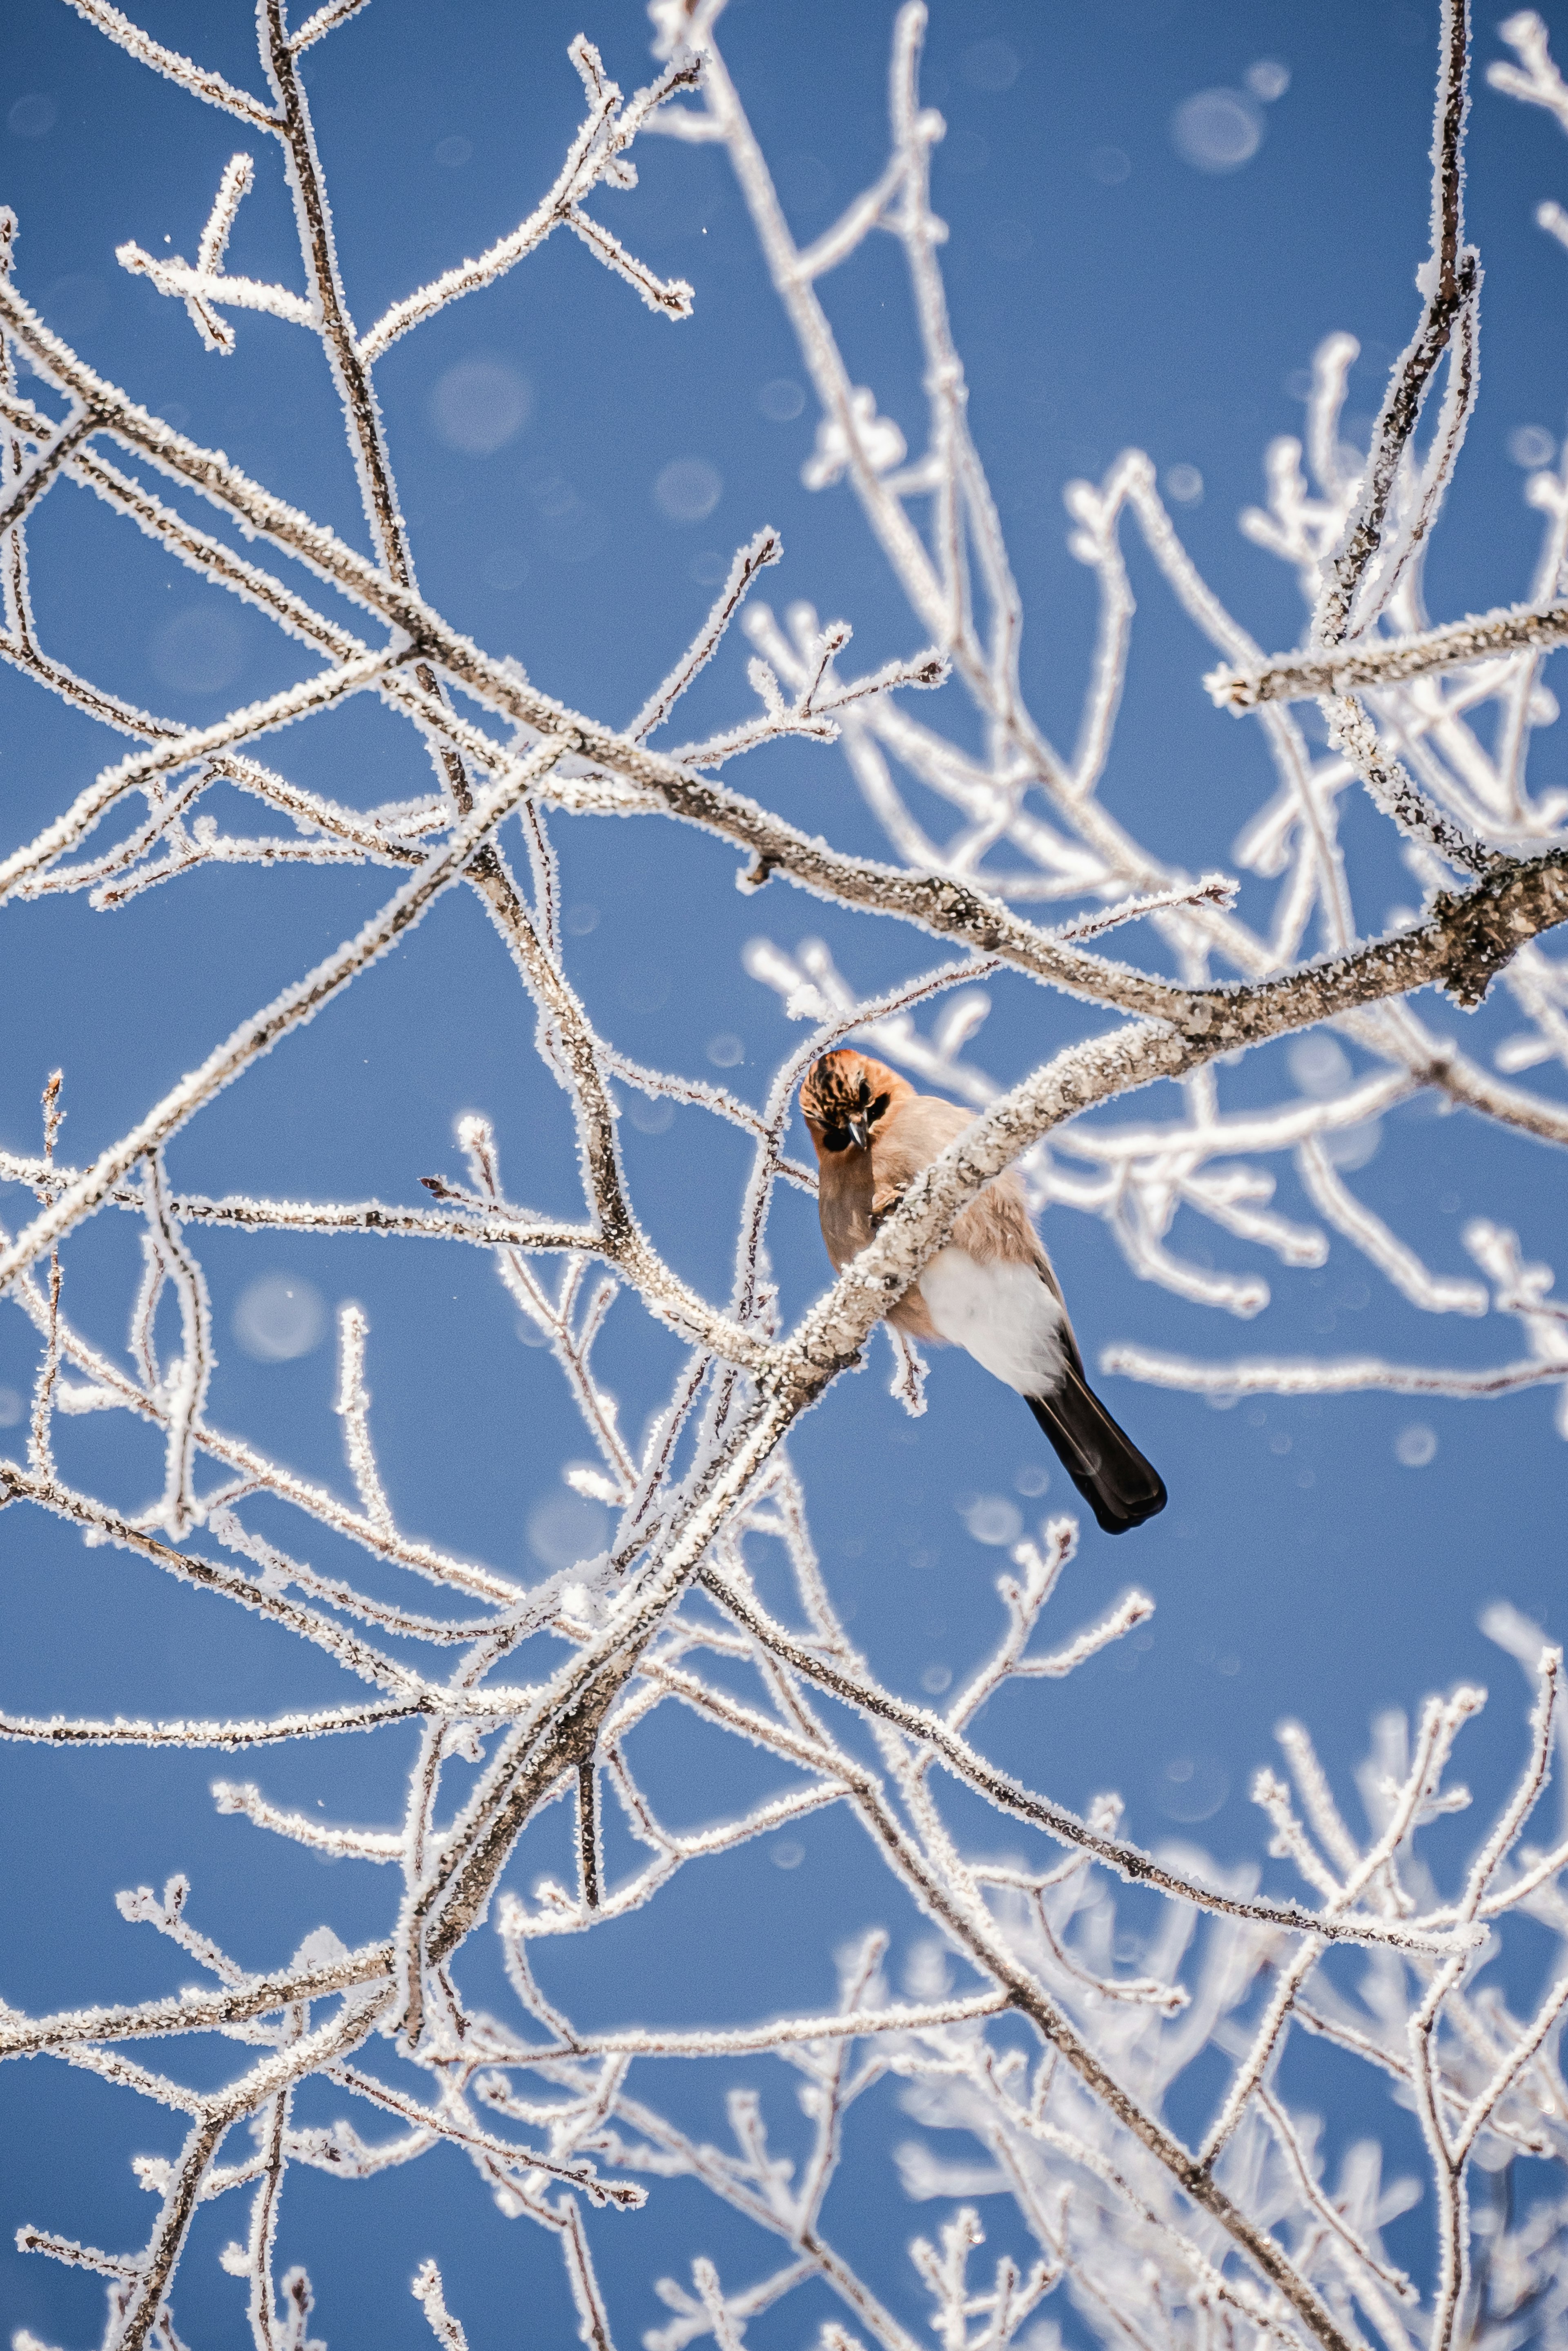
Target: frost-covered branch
[[1074, 1977], [1387, 661]]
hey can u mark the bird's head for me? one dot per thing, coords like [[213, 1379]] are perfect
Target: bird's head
[[843, 1096]]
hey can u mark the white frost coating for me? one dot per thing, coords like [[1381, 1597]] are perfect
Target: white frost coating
[[143, 768], [428, 2291], [597, 154], [908, 1381], [1321, 1376], [1403, 1268], [326, 20], [983, 817], [363, 1845], [766, 548], [205, 286], [202, 289], [353, 1407], [1535, 79], [197, 79], [186, 1384], [1003, 1315], [297, 1004]]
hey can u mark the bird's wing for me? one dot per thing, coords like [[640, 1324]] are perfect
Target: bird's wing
[[995, 1224]]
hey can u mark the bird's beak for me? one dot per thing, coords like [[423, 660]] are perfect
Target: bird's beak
[[862, 1132]]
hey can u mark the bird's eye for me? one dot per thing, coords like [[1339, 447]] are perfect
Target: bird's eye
[[875, 1111], [865, 1093]]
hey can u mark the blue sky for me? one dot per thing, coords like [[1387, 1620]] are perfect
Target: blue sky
[[1105, 292]]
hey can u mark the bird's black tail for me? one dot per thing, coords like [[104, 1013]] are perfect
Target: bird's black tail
[[1119, 1486]]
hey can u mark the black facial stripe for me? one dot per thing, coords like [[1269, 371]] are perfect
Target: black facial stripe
[[835, 1138]]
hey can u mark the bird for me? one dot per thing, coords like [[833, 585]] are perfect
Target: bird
[[991, 1290]]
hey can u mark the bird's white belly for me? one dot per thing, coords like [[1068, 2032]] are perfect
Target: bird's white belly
[[1002, 1313]]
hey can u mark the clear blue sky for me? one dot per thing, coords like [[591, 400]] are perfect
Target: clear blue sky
[[1096, 306]]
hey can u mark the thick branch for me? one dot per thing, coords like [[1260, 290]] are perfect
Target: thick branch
[[1467, 939], [949, 908]]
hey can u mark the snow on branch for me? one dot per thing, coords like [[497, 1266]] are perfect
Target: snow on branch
[[202, 291], [299, 1003], [197, 79], [1387, 661], [428, 2291], [326, 20], [597, 154], [1261, 1376]]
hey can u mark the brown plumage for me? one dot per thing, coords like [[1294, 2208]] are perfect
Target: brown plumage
[[991, 1290]]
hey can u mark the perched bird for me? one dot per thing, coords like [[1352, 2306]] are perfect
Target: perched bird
[[992, 1288]]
